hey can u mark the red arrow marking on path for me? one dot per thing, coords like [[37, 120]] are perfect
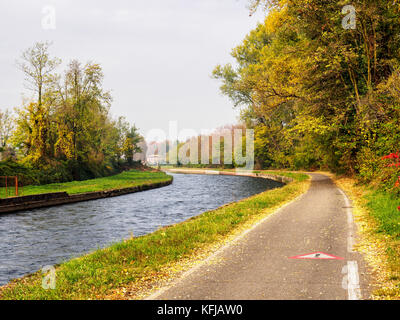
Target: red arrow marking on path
[[317, 256]]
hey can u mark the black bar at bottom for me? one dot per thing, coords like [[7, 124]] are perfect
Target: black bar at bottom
[[175, 310]]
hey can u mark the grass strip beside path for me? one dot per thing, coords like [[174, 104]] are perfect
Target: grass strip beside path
[[378, 221], [126, 179], [122, 270]]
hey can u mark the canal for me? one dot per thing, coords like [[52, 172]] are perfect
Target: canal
[[30, 240]]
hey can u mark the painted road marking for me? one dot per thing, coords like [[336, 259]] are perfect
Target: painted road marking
[[350, 223], [353, 281], [317, 256], [353, 278]]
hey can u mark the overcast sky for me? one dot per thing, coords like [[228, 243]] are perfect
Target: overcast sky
[[157, 55]]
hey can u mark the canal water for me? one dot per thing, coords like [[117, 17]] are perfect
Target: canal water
[[32, 239]]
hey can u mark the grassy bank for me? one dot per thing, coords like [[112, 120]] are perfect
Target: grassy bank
[[123, 180], [378, 221], [122, 270]]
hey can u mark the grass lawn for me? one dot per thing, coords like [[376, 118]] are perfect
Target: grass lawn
[[126, 179], [383, 208], [123, 269]]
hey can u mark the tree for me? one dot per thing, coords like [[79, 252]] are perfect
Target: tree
[[131, 144], [82, 117], [38, 66], [69, 124], [307, 85], [6, 128]]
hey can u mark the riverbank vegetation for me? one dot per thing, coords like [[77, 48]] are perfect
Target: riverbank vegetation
[[378, 223], [318, 95], [124, 269], [126, 179], [65, 131]]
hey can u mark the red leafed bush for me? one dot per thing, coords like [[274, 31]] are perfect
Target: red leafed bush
[[395, 157]]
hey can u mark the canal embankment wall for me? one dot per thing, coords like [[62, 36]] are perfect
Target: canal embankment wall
[[15, 204]]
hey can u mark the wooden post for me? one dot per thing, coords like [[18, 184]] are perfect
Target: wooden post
[[16, 186]]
